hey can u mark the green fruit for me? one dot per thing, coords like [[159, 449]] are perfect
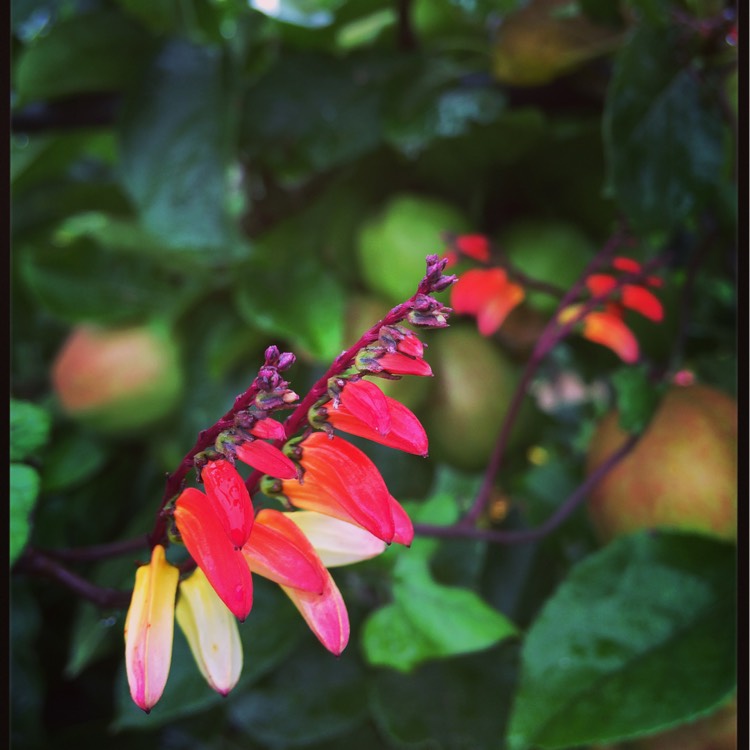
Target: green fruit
[[363, 312], [392, 246], [549, 251], [473, 386], [682, 473], [118, 380]]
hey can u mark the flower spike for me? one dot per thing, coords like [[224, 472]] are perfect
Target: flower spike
[[211, 632], [149, 628]]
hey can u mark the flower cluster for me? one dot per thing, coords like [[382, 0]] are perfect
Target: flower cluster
[[489, 294], [337, 509]]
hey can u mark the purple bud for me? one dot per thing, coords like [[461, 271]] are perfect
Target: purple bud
[[286, 360], [272, 355]]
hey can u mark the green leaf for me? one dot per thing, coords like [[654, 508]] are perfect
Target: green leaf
[[428, 620], [663, 134], [98, 51], [640, 637], [312, 14], [312, 697], [92, 634], [175, 141], [24, 489], [74, 457], [29, 429], [637, 397]]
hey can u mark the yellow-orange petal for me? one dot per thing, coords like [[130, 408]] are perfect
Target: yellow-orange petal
[[149, 629], [211, 632]]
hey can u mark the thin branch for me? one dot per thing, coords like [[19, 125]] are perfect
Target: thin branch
[[98, 551], [464, 531]]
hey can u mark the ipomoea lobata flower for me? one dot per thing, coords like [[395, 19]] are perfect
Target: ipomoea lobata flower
[[211, 632], [488, 294], [362, 409], [149, 629], [264, 456], [340, 480], [229, 499], [323, 609]]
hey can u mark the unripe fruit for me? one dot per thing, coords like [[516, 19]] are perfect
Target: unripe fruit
[[393, 245], [549, 251], [118, 380], [682, 474], [474, 383]]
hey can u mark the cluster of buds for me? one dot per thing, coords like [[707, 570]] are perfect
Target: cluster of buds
[[335, 507], [489, 294]]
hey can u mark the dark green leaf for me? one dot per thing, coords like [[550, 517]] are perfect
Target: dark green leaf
[[639, 637], [175, 139], [29, 429], [90, 52], [309, 113], [24, 488], [73, 457], [452, 705], [312, 697], [663, 133], [82, 281]]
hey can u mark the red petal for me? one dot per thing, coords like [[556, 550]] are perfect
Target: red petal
[[400, 364], [475, 246], [600, 283], [324, 613], [266, 458], [269, 429], [626, 264], [210, 547], [341, 481], [367, 403], [404, 528], [639, 298], [609, 330], [406, 432], [488, 295], [229, 499], [410, 344], [279, 550]]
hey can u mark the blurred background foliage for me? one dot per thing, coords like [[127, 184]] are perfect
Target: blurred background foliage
[[213, 176]]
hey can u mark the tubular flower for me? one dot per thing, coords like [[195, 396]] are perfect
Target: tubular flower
[[267, 553], [336, 542], [149, 628], [211, 632], [488, 295], [263, 456], [229, 500], [340, 480], [208, 543], [364, 410], [606, 328]]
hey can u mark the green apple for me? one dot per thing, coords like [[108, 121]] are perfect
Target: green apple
[[393, 244], [553, 252], [118, 380], [682, 474], [473, 385]]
